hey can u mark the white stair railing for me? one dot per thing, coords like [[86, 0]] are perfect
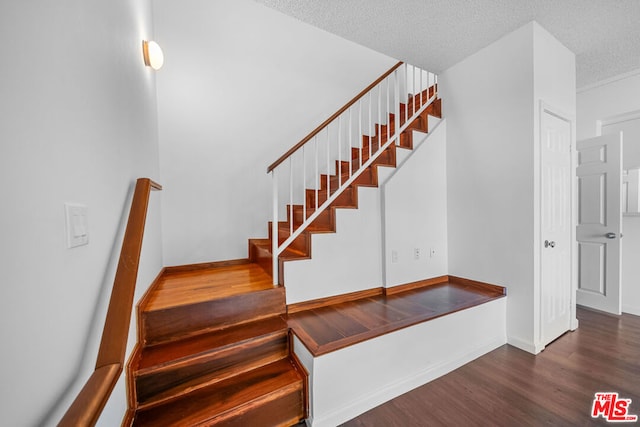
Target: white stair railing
[[388, 105]]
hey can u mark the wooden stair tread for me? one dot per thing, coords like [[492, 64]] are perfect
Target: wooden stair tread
[[210, 369], [191, 287], [177, 351], [266, 383]]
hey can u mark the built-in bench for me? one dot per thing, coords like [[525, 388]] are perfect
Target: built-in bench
[[365, 348]]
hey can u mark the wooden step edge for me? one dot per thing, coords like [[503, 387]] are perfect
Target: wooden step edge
[[336, 299], [204, 331], [194, 385], [416, 285], [285, 227], [498, 290], [240, 292], [144, 302], [156, 355], [208, 353], [291, 381], [132, 365], [206, 265], [258, 401]]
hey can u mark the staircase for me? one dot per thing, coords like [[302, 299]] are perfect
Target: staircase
[[214, 350], [260, 250], [214, 347]]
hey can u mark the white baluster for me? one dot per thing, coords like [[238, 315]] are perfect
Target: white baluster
[[413, 88], [421, 88], [328, 165], [379, 116], [315, 139], [386, 110], [435, 85], [370, 125], [406, 105], [274, 229], [397, 105], [290, 195], [304, 185], [360, 144], [350, 141], [340, 151]]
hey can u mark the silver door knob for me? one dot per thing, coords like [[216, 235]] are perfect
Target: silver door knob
[[610, 235], [549, 244]]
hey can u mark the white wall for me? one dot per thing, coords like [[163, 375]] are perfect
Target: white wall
[[604, 100], [488, 103], [78, 125], [415, 211], [341, 262], [491, 103], [241, 84], [554, 86]]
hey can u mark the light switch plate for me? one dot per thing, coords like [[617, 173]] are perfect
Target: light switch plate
[[77, 224]]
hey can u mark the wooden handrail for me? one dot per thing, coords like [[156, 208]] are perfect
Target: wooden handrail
[[332, 118], [88, 405]]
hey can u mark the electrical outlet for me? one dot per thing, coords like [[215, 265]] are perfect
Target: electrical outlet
[[394, 256], [416, 253]]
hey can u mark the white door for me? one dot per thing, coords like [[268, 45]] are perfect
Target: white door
[[555, 226], [599, 222]]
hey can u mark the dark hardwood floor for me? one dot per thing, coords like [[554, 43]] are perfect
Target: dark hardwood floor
[[510, 387]]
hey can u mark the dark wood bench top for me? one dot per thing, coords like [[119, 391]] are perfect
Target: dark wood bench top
[[338, 325]]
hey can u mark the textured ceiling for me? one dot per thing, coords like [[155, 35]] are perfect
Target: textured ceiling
[[436, 34]]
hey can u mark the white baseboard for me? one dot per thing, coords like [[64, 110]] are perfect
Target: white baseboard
[[631, 310], [524, 345], [574, 323]]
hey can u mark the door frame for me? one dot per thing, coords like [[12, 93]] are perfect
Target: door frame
[[546, 108]]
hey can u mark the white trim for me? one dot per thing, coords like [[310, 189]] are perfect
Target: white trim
[[608, 80], [524, 345]]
